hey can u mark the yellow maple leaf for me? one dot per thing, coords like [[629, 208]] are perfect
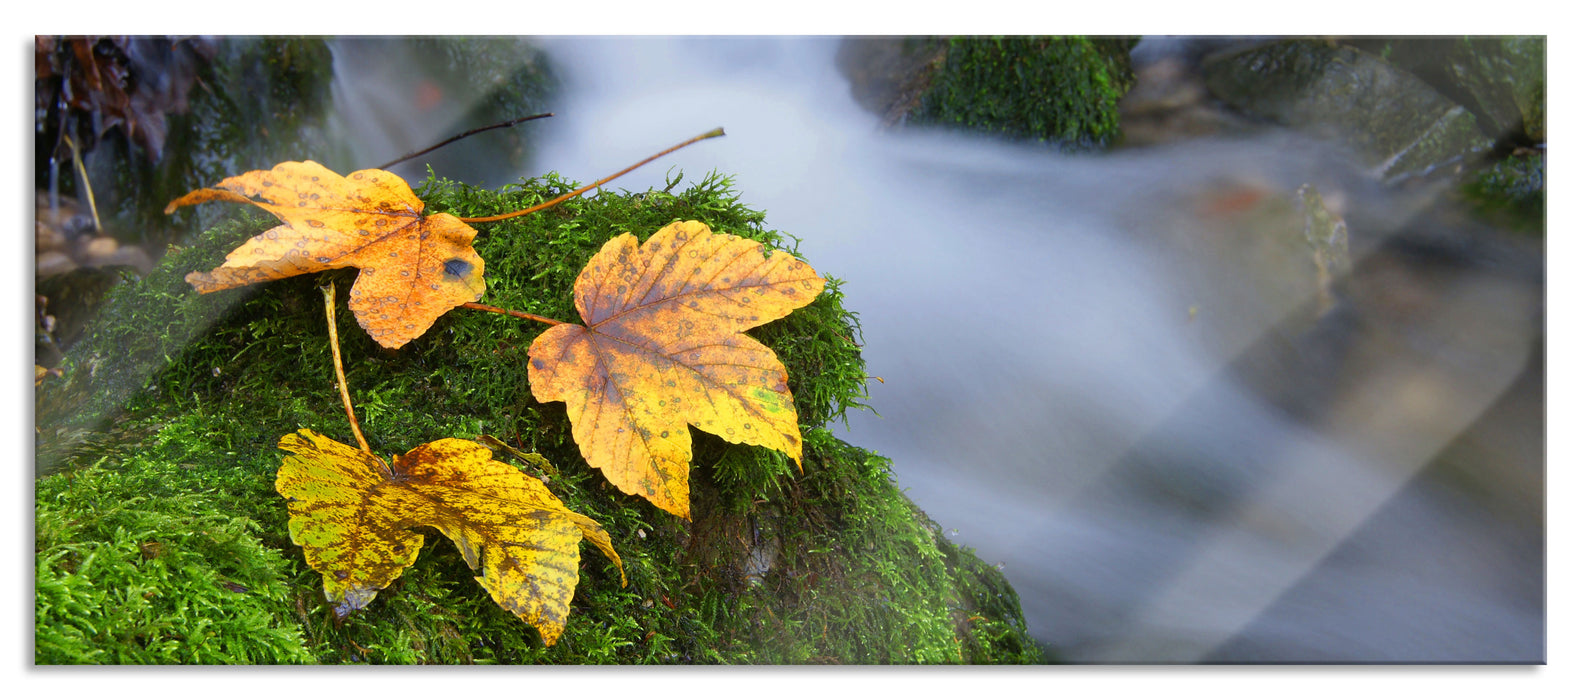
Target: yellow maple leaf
[[414, 268], [352, 512], [663, 347]]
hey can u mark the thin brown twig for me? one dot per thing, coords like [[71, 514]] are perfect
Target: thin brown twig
[[340, 374], [82, 172], [485, 219], [509, 312], [465, 134]]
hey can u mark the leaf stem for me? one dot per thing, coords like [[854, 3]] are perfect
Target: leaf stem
[[720, 131], [509, 312], [465, 134], [340, 374]]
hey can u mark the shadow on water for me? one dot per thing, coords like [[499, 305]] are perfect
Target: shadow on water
[[1120, 375]]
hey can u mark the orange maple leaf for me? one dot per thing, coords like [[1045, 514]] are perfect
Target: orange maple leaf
[[663, 347], [414, 268]]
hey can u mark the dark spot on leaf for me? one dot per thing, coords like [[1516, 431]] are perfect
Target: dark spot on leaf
[[458, 268]]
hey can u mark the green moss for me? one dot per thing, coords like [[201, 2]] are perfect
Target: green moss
[[853, 554], [149, 563], [1064, 90], [1510, 192], [187, 395]]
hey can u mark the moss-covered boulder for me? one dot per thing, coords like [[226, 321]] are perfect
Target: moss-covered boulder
[[1510, 192], [160, 538], [1059, 90]]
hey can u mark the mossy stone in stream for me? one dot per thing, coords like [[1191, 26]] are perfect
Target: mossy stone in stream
[[1061, 90], [830, 565], [1510, 192]]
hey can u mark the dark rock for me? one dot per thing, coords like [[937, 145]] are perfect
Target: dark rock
[[1169, 103], [888, 74], [1395, 122], [1501, 79]]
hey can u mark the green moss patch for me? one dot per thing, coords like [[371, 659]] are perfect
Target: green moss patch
[[149, 564], [1510, 192], [1063, 90]]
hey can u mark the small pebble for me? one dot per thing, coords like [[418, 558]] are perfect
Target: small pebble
[[46, 237], [53, 262], [99, 247]]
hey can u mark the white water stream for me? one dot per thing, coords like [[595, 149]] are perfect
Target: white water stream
[[1054, 334]]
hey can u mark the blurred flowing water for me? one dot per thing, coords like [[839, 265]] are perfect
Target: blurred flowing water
[[1116, 375]]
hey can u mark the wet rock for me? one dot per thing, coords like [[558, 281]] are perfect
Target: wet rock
[[1506, 78], [889, 74], [1170, 103], [47, 238], [1501, 79], [1325, 232], [73, 297], [60, 220], [1397, 124]]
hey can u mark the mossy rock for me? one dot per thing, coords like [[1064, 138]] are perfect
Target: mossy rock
[[161, 538], [1510, 192], [1060, 90]]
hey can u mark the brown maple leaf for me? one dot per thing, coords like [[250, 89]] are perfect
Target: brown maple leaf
[[663, 348], [414, 268]]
